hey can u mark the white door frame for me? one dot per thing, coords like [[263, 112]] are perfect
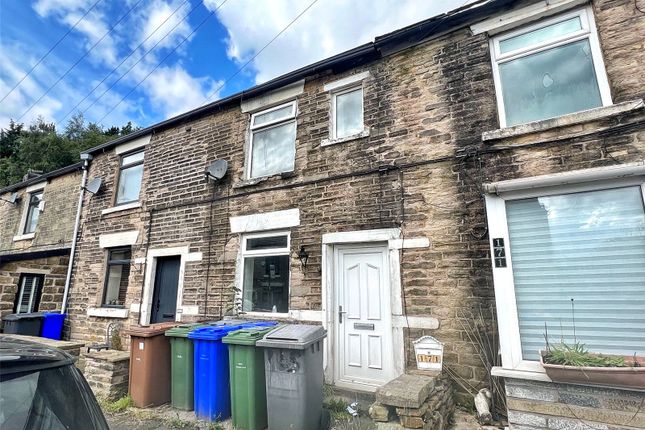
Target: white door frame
[[151, 271], [390, 237]]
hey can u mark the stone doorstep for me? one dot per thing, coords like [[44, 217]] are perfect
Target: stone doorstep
[[406, 391]]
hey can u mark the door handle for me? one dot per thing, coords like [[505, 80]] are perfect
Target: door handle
[[340, 314]]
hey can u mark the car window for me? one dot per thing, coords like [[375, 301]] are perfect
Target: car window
[[52, 399]]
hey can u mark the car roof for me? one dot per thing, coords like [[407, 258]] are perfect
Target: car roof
[[18, 355]]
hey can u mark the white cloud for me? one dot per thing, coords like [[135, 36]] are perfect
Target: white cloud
[[163, 24], [174, 90], [329, 27]]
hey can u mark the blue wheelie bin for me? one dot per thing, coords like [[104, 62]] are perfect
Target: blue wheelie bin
[[212, 391], [53, 325]]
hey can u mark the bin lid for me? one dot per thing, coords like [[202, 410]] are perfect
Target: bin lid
[[212, 332], [293, 336], [24, 316], [248, 336], [183, 329], [53, 315], [227, 322], [151, 330]]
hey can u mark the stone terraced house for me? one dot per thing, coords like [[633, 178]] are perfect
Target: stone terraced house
[[37, 218], [489, 158]]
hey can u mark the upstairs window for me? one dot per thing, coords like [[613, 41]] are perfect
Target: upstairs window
[[117, 277], [272, 146], [266, 273], [347, 112], [33, 212], [549, 69], [29, 291], [130, 175]]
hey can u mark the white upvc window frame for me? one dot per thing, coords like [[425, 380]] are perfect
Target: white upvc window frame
[[588, 31], [334, 122], [244, 253], [504, 284], [268, 125]]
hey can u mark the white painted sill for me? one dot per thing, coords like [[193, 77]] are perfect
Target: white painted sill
[[563, 121], [248, 182], [27, 236], [362, 134], [108, 312], [520, 374], [295, 314], [125, 207]]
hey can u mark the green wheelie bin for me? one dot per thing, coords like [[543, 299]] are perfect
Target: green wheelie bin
[[248, 386], [181, 365]]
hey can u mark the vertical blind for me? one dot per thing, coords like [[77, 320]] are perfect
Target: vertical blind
[[27, 296], [579, 268]]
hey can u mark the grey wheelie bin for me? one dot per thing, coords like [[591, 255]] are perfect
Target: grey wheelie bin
[[293, 362]]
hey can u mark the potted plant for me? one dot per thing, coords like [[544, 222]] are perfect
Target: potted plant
[[574, 364]]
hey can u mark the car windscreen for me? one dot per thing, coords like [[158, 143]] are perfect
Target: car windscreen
[[54, 398]]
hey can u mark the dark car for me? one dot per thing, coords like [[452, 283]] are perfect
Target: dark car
[[40, 388]]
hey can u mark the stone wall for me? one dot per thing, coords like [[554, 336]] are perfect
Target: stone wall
[[549, 406], [426, 108], [54, 270], [414, 402], [107, 373], [55, 223]]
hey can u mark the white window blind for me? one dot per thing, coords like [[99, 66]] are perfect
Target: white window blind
[[27, 296], [589, 247]]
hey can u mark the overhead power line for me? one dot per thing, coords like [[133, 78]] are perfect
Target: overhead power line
[[60, 122], [50, 50], [79, 60], [237, 72], [210, 14]]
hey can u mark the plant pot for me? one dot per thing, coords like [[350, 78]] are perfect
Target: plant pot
[[616, 377]]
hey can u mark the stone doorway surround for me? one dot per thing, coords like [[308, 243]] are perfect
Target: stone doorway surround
[[391, 236]]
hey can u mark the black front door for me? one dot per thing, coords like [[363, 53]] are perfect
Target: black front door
[[164, 297]]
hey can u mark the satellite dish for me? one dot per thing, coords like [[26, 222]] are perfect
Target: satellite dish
[[13, 199], [217, 170], [94, 185]]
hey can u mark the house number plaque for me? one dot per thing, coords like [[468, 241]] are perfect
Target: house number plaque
[[499, 252]]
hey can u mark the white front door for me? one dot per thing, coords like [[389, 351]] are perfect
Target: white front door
[[363, 322]]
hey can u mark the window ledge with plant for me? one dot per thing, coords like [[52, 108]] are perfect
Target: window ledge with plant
[[563, 121]]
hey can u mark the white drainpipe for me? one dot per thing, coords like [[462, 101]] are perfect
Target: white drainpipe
[[68, 280]]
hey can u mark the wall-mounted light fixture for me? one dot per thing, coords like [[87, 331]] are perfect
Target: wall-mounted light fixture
[[303, 256]]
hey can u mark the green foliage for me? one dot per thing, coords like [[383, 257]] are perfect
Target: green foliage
[[577, 355], [119, 405], [336, 407], [40, 147]]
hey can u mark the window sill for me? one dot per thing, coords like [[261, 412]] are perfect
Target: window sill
[[125, 207], [563, 121], [108, 312], [27, 236], [294, 314], [520, 374], [254, 181], [362, 134]]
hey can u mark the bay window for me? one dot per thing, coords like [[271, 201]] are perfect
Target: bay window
[[549, 69], [265, 283], [569, 263], [272, 144]]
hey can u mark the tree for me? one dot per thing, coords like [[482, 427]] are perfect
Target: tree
[[41, 147]]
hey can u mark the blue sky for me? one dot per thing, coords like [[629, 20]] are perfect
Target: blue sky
[[148, 60]]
